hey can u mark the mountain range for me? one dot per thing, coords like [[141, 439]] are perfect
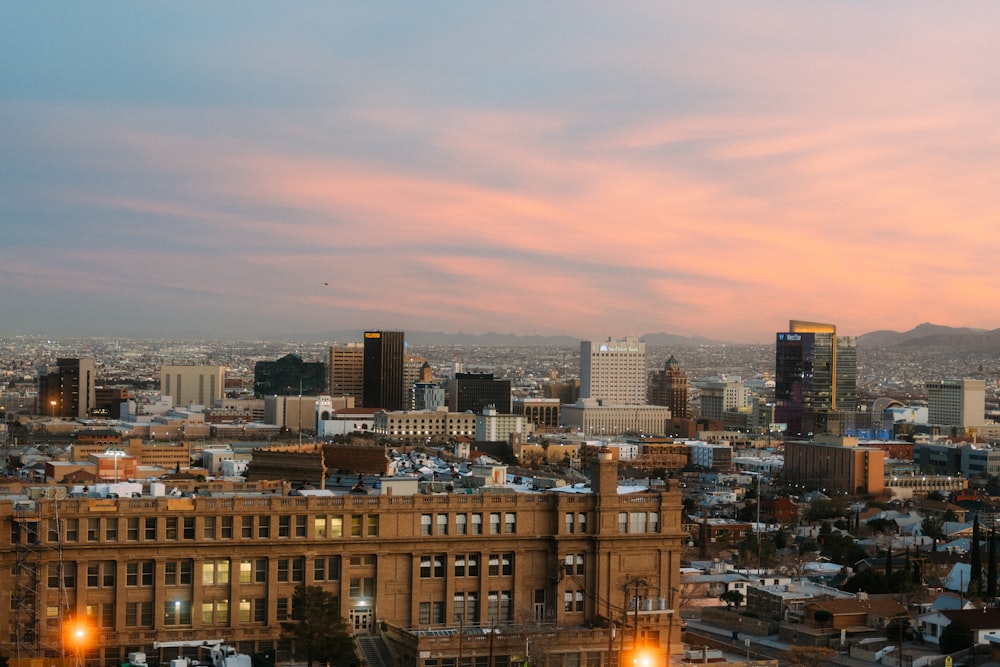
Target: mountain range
[[923, 336]]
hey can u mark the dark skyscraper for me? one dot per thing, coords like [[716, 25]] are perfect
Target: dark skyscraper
[[289, 376], [383, 374], [815, 374], [68, 388], [473, 392]]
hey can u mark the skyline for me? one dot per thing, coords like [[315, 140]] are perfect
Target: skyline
[[566, 169]]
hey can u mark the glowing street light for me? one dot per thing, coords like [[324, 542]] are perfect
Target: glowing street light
[[53, 404]]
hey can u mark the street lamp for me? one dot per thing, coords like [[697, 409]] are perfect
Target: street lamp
[[53, 404]]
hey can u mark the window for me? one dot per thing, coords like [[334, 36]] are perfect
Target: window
[[463, 564], [442, 524], [227, 527], [461, 524], [111, 529], [510, 523], [132, 530], [284, 605], [466, 607], [68, 572], [178, 573], [138, 614], [300, 525], [139, 573], [215, 612], [246, 571], [283, 570], [319, 527], [245, 607], [284, 526], [215, 572], [501, 564], [654, 522], [260, 571], [336, 526], [246, 527], [355, 525], [208, 528], [93, 530], [477, 524], [424, 616], [426, 521], [188, 528], [425, 567], [171, 528], [581, 522], [622, 522], [72, 530], [264, 527], [432, 566], [298, 570], [150, 529], [437, 613], [101, 615], [326, 568], [372, 525], [362, 587], [637, 522], [498, 606], [569, 522], [494, 523], [177, 612], [53, 530], [101, 574]]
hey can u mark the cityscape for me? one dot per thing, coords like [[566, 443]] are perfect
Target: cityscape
[[503, 505], [499, 334]]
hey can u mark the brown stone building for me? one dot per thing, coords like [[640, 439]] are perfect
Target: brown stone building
[[477, 575]]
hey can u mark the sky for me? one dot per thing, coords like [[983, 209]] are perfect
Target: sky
[[594, 169]]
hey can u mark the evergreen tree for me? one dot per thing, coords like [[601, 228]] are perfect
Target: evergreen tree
[[975, 562], [991, 566], [317, 629], [888, 563]]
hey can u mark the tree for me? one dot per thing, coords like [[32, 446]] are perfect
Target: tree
[[933, 526], [317, 629], [732, 598], [955, 637], [975, 562], [991, 566]]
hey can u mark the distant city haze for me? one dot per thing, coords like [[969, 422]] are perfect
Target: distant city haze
[[193, 170]]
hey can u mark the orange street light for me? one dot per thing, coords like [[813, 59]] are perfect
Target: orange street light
[[53, 404]]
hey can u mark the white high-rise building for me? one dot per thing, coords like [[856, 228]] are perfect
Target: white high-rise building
[[614, 371], [956, 402]]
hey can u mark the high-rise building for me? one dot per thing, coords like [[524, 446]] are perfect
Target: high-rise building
[[669, 387], [193, 385], [347, 371], [815, 374], [614, 372], [473, 392], [956, 402], [67, 389], [717, 398], [383, 374], [289, 376]]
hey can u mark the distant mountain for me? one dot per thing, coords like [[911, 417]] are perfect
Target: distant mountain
[[928, 335], [425, 338]]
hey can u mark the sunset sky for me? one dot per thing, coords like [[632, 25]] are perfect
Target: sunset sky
[[244, 169]]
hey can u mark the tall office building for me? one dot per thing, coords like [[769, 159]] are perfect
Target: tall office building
[[816, 373], [193, 385], [956, 402], [67, 389], [717, 398], [473, 392], [614, 372], [669, 387], [289, 376], [347, 371], [383, 375]]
